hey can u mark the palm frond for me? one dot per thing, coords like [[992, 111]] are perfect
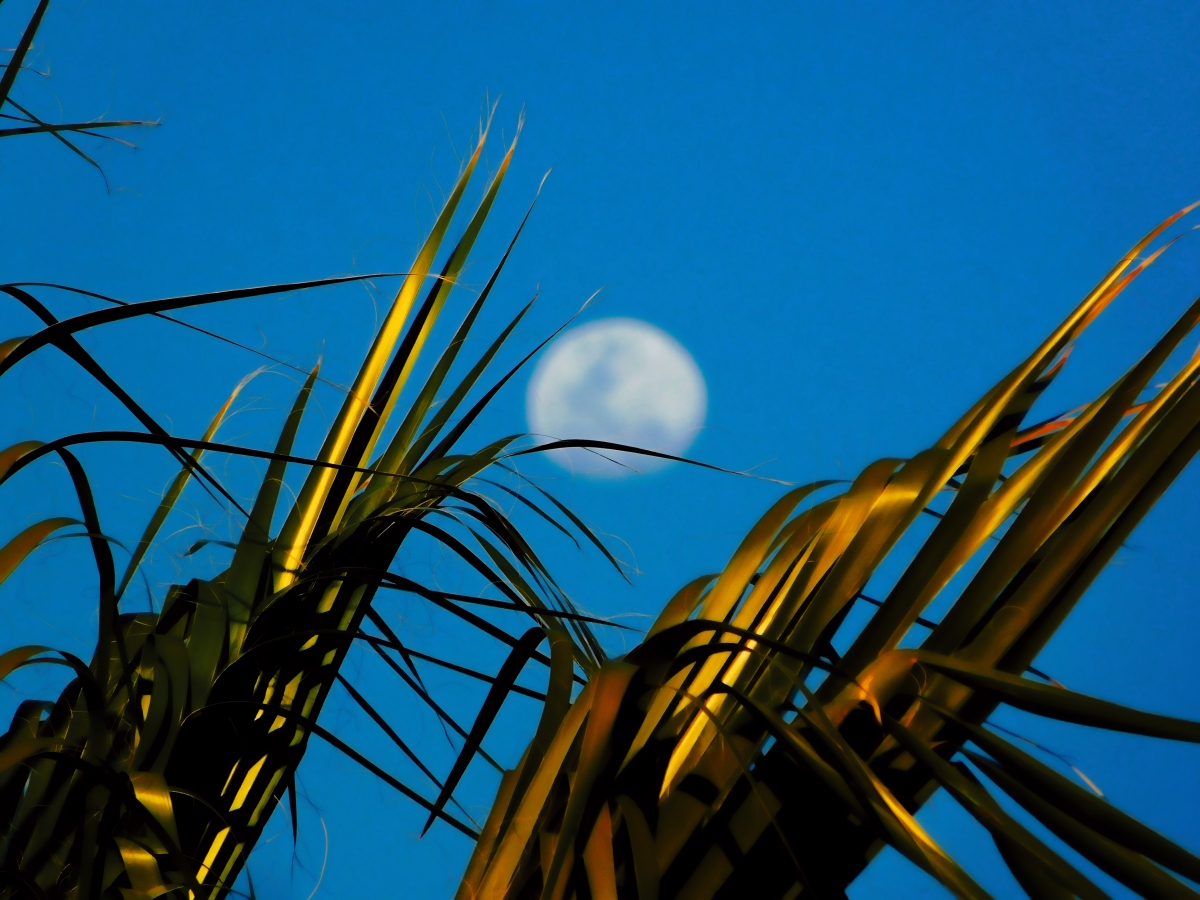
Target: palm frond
[[735, 753], [133, 783]]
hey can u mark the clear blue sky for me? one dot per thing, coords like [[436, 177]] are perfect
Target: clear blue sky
[[856, 217]]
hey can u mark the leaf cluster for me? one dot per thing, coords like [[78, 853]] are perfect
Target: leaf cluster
[[158, 766]]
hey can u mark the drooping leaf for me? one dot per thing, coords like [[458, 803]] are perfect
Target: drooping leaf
[[1128, 867], [14, 552], [505, 679], [1083, 805], [1058, 703]]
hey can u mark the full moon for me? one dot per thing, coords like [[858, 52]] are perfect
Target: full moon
[[618, 380]]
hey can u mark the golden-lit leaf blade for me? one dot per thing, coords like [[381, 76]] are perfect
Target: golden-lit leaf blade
[[253, 548], [298, 528], [152, 792], [598, 858], [400, 444], [608, 689], [9, 455], [178, 483], [680, 607], [513, 843], [749, 555], [14, 552]]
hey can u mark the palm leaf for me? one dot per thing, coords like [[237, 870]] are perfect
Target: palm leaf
[[256, 650], [747, 758]]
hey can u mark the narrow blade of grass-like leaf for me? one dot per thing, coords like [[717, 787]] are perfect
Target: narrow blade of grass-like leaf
[[254, 547], [338, 744], [18, 58], [387, 729], [976, 801], [1129, 868], [408, 652], [178, 483], [1082, 804], [1058, 703], [588, 444], [442, 715], [84, 127], [62, 140], [576, 521], [56, 332], [68, 345], [505, 679], [10, 660]]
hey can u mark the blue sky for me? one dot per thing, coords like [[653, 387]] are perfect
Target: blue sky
[[856, 217]]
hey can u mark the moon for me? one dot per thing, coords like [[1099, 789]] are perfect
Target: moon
[[618, 380]]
